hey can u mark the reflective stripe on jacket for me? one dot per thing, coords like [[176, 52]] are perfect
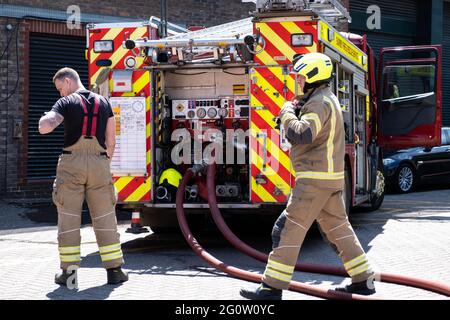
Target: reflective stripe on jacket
[[318, 140]]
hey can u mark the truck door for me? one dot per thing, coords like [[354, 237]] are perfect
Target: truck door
[[410, 97]]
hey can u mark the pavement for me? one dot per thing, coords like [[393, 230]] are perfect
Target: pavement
[[409, 235]]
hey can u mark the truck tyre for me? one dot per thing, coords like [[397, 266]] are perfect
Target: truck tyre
[[377, 198]]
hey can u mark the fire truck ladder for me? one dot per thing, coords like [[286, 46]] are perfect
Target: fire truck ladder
[[221, 41], [331, 11], [235, 29], [210, 43]]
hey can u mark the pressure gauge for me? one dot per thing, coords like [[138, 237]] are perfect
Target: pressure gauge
[[180, 107], [201, 113], [212, 112], [191, 114], [223, 112]]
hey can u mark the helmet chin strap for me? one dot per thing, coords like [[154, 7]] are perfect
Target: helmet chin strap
[[311, 89], [308, 94]]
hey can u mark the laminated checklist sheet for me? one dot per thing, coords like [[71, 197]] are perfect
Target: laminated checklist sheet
[[130, 153]]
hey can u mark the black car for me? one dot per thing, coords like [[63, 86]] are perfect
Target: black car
[[404, 169]]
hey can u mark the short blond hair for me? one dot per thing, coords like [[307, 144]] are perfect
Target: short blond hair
[[63, 73]]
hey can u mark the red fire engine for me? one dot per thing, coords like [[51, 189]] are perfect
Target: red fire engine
[[235, 78]]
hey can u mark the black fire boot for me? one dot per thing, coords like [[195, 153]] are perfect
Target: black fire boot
[[116, 276], [263, 292], [62, 277], [358, 288]]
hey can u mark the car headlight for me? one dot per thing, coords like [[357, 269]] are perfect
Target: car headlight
[[388, 161]]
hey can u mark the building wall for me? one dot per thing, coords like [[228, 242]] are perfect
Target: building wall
[[185, 12], [398, 22], [408, 22], [11, 110], [14, 104], [446, 64]]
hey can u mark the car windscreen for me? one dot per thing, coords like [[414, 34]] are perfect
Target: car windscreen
[[445, 136]]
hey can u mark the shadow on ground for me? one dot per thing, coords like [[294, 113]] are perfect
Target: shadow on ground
[[101, 292], [17, 215], [47, 213]]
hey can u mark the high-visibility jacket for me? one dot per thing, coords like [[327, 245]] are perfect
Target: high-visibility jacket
[[318, 140]]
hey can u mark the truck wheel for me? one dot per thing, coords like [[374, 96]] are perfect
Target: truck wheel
[[377, 198], [347, 191], [404, 178]]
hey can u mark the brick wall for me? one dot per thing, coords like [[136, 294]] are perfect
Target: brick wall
[[185, 12], [12, 109]]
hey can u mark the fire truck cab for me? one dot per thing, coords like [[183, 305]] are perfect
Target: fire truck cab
[[217, 92]]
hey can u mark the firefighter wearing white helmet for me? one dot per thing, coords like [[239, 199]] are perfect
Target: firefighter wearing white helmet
[[317, 155]]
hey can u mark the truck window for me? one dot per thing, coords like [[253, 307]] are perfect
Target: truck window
[[408, 80]]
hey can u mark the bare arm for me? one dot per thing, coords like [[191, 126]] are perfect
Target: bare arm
[[110, 136], [50, 122]]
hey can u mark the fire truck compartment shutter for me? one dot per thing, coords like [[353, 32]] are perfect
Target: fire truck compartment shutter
[[122, 80]]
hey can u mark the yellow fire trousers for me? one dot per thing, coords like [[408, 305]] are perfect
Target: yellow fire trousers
[[307, 204], [83, 173]]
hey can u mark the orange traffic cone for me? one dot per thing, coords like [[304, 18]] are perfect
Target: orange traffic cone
[[136, 226]]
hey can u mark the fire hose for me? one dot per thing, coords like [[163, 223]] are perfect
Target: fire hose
[[236, 272], [305, 267]]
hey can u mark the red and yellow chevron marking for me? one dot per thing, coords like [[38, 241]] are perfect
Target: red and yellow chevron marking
[[271, 87], [119, 55], [137, 189], [277, 36], [129, 189], [133, 189]]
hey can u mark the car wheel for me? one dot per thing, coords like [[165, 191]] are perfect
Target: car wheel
[[405, 178]]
